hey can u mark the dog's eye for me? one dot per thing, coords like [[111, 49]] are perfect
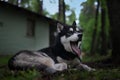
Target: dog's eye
[[69, 33], [77, 29]]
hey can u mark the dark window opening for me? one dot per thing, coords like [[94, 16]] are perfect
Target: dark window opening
[[52, 33], [30, 28]]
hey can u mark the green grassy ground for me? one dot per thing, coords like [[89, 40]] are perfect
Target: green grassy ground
[[99, 74], [4, 59]]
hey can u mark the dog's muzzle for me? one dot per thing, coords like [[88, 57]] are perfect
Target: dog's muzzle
[[71, 44], [75, 46]]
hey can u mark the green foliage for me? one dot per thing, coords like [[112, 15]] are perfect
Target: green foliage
[[55, 16], [87, 34], [67, 7], [24, 3], [35, 5], [45, 12], [87, 21], [71, 17]]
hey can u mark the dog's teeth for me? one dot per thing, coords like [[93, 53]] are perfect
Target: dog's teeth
[[79, 43]]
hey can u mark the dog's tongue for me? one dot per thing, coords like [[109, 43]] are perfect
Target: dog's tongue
[[76, 49]]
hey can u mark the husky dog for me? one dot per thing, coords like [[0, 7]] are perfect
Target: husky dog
[[65, 51]]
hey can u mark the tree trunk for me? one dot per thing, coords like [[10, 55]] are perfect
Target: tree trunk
[[40, 6], [114, 16], [61, 15], [94, 38], [103, 34]]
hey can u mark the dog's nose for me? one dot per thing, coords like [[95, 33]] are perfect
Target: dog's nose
[[80, 36]]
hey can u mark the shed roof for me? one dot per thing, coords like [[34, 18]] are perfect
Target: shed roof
[[21, 9]]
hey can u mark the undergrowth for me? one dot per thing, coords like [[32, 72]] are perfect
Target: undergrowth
[[99, 74]]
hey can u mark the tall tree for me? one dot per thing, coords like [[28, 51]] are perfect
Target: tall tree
[[94, 36], [103, 28], [41, 7], [61, 12], [114, 16]]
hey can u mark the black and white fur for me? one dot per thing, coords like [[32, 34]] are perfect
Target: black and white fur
[[54, 58]]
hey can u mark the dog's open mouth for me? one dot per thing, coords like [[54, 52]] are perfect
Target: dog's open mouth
[[75, 48]]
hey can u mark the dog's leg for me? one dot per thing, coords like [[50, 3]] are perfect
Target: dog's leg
[[60, 66], [84, 66], [56, 67], [76, 62]]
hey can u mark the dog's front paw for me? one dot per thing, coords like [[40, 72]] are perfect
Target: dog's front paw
[[90, 69], [60, 66], [87, 67], [93, 69]]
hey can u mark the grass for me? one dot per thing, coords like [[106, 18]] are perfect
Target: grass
[[99, 74], [4, 59], [6, 74], [94, 58]]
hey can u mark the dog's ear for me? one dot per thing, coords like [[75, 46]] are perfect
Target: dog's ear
[[59, 27], [74, 23]]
